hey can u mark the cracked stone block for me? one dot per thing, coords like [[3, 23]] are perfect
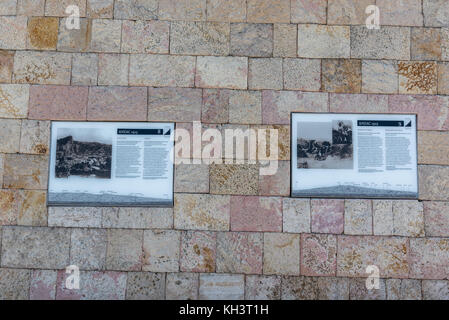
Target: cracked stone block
[[433, 182], [145, 36], [106, 35], [258, 287], [222, 72], [400, 13], [202, 212], [284, 40], [383, 217], [302, 74], [138, 218], [74, 217], [136, 9], [436, 218], [124, 250], [296, 215], [117, 103], [113, 69], [321, 41], [429, 258], [305, 11], [42, 33], [35, 137], [23, 171], [418, 77], [161, 250], [327, 216], [356, 253], [226, 10], [408, 218], [88, 248], [239, 252], [14, 32], [215, 286], [403, 289], [426, 44], [358, 217], [198, 251], [182, 10], [435, 289], [348, 12], [43, 284], [436, 13], [251, 40], [192, 178], [318, 254], [9, 135], [14, 284], [100, 9], [35, 247], [359, 103], [84, 69], [182, 286], [268, 11], [342, 75], [281, 254], [265, 73], [386, 43], [379, 76]]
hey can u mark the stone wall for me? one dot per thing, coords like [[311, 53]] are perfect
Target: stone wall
[[230, 64]]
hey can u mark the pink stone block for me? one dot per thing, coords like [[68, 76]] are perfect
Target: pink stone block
[[277, 184], [198, 251], [327, 215], [252, 213], [366, 103], [318, 254], [117, 103], [436, 214], [429, 258], [58, 103], [43, 285], [431, 109]]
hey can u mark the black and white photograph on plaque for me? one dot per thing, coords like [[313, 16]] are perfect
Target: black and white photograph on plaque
[[85, 153], [325, 145]]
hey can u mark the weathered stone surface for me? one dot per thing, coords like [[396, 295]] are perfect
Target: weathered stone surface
[[162, 70], [444, 43], [182, 286], [192, 178], [239, 252], [226, 10], [138, 218], [202, 212], [161, 250], [341, 75], [436, 218], [6, 65], [182, 10], [199, 38], [383, 217], [14, 284], [57, 7], [296, 215], [358, 217], [251, 40], [35, 137], [74, 217], [268, 11], [9, 135], [433, 182], [281, 253], [299, 288], [302, 74], [75, 40], [215, 106], [256, 213], [221, 287], [43, 284], [42, 67], [42, 33], [332, 288], [265, 73], [327, 216], [408, 218], [379, 76], [429, 258], [30, 7], [35, 247], [426, 44], [277, 105], [124, 250], [198, 251], [403, 289], [88, 248], [359, 291], [100, 9], [84, 69], [14, 100], [32, 209], [234, 179], [25, 171], [304, 11], [245, 107], [402, 13], [418, 77], [358, 103], [284, 40], [344, 12], [283, 151], [145, 36], [385, 43], [221, 72], [106, 35], [9, 205], [318, 254], [320, 41], [389, 254], [443, 80], [431, 110], [117, 103], [8, 8], [14, 32], [93, 286], [277, 184], [435, 13], [1, 169], [174, 104], [136, 9], [258, 287], [113, 69], [435, 289]]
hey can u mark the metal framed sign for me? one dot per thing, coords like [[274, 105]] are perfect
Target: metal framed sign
[[354, 155], [111, 164]]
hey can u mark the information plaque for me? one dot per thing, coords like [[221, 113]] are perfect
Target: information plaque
[[111, 164], [354, 155]]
